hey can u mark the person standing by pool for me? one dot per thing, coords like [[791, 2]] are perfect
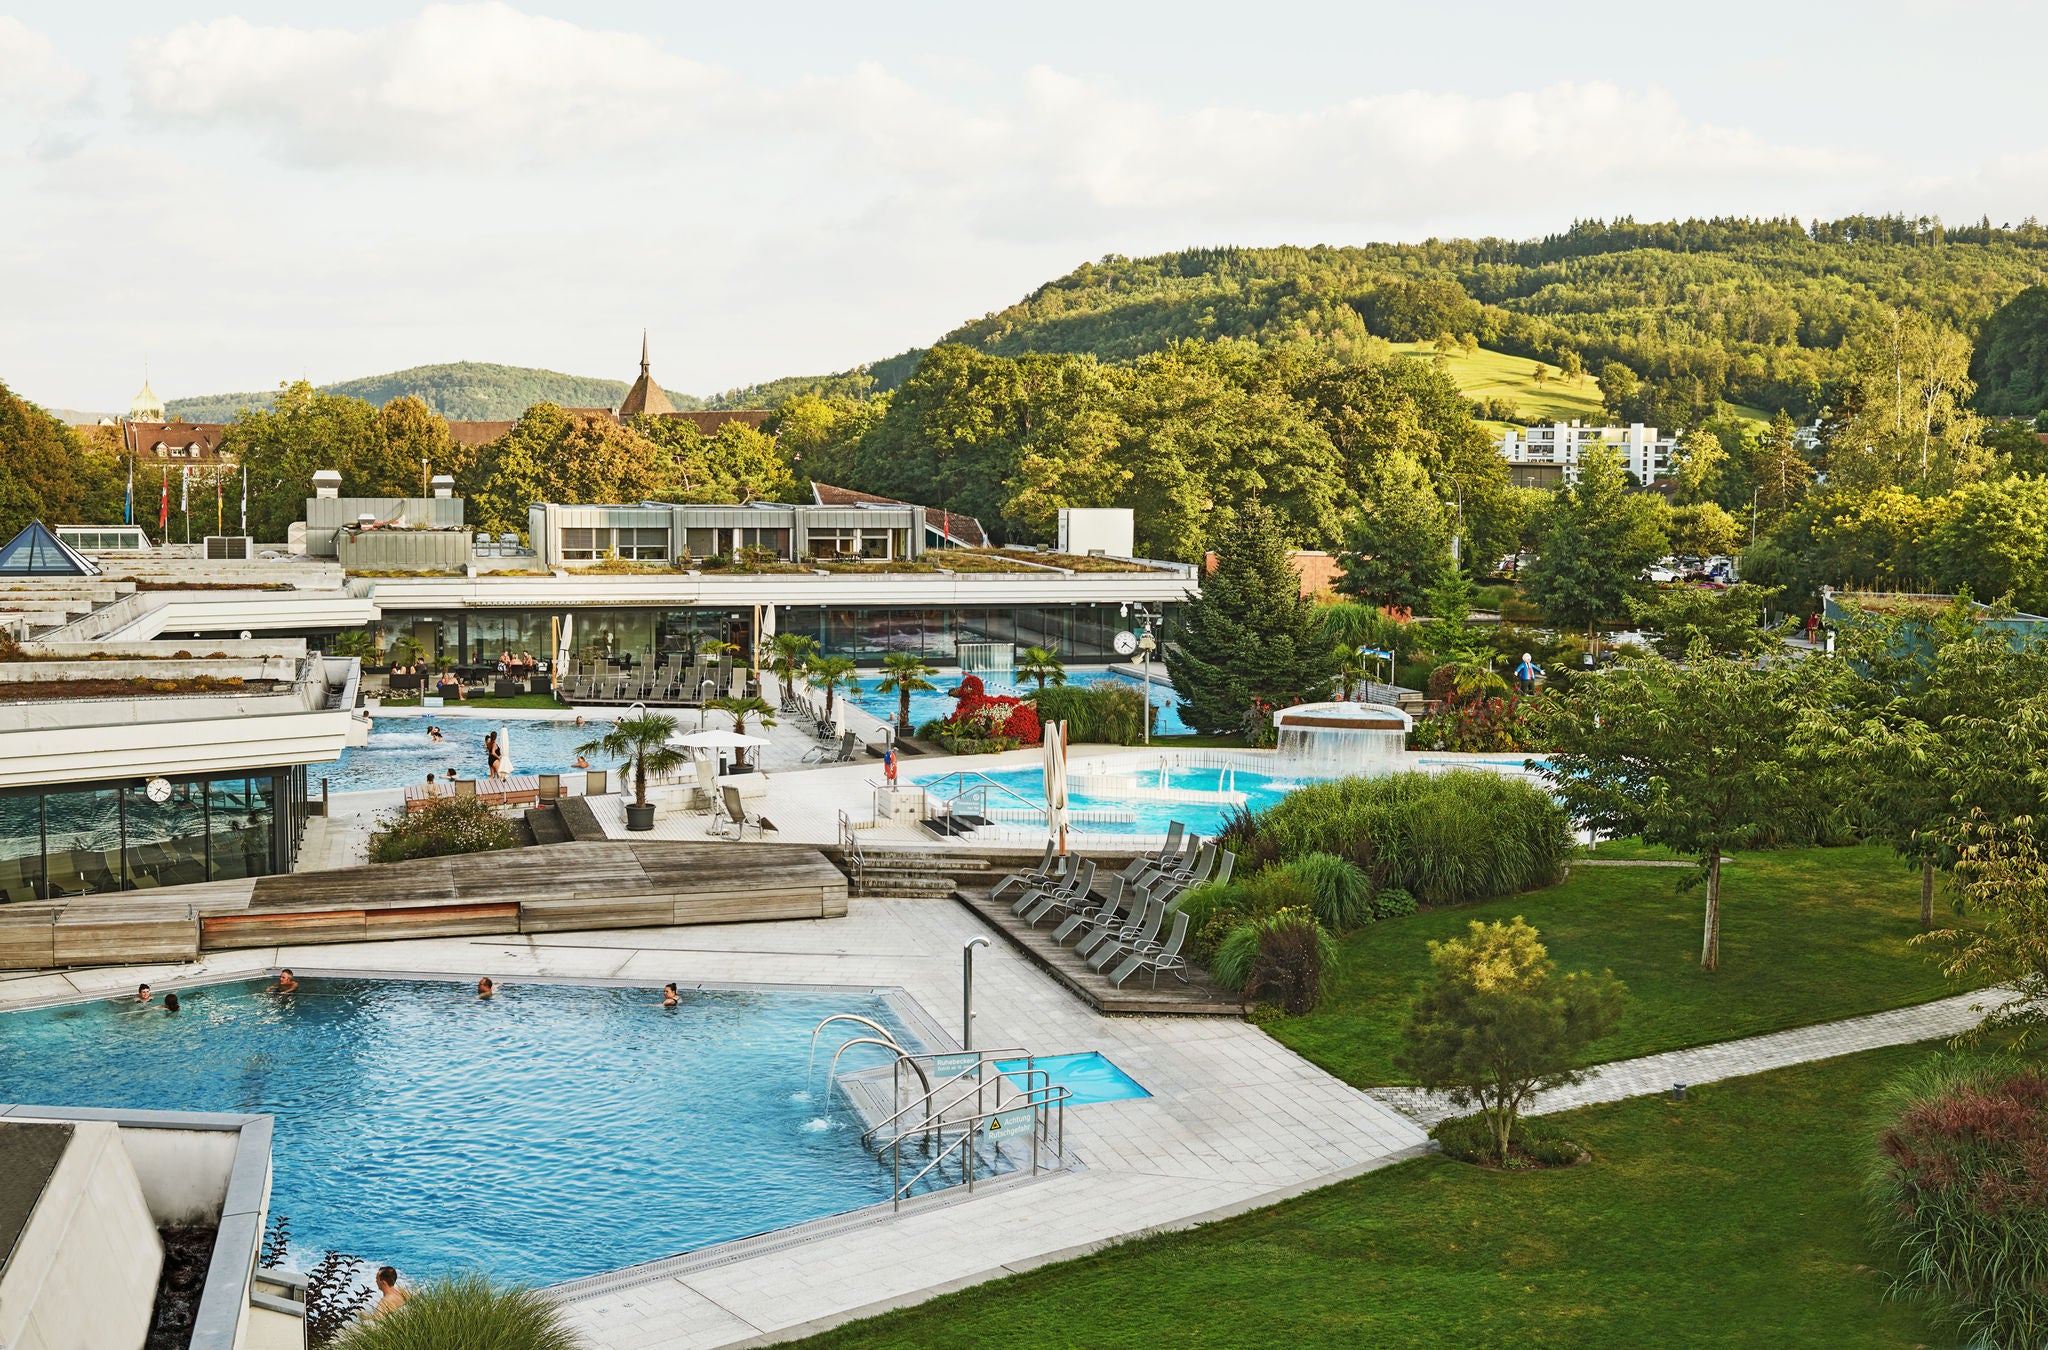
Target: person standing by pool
[[493, 756], [484, 987], [389, 1296], [1528, 673]]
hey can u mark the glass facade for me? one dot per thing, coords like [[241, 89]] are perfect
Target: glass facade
[[87, 838], [476, 638]]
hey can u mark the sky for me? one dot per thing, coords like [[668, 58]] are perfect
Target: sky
[[231, 196]]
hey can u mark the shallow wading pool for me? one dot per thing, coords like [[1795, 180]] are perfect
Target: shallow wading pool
[[553, 1132]]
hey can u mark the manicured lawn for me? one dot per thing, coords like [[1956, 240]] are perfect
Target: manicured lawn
[[1807, 935], [1490, 374], [1732, 1219]]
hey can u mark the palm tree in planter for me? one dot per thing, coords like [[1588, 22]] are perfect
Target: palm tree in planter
[[1042, 664], [354, 642], [831, 674], [903, 674], [641, 744], [788, 655], [741, 709]]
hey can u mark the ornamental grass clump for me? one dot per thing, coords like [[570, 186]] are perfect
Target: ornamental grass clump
[[467, 1312], [1341, 891], [1282, 958], [1095, 714], [1959, 1191], [1445, 838]]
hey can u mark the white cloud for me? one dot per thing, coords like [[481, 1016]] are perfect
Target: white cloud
[[33, 78], [452, 86]]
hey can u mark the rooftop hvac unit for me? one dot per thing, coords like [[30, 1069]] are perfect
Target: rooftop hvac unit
[[230, 546]]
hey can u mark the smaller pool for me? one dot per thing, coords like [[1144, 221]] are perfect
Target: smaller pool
[[1090, 1076]]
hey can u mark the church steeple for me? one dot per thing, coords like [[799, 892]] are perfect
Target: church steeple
[[645, 397]]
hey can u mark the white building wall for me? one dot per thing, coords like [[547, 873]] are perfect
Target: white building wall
[[83, 1274], [1643, 452]]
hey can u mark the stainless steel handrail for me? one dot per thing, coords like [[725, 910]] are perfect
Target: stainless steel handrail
[[982, 1061], [979, 789], [1052, 1098]]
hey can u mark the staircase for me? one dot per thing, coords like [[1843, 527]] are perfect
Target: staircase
[[915, 874]]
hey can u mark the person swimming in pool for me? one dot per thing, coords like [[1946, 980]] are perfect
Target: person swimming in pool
[[142, 994], [670, 995], [286, 983], [581, 763], [434, 735], [485, 988], [390, 1296], [171, 1003]]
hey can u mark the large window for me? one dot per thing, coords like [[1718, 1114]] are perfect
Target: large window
[[581, 544], [643, 543], [77, 841]]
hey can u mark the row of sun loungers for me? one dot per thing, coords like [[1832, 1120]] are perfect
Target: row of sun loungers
[[1119, 932]]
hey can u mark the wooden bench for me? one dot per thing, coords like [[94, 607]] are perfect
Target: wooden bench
[[28, 936]]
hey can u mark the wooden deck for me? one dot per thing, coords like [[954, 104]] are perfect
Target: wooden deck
[[562, 888], [1199, 997]]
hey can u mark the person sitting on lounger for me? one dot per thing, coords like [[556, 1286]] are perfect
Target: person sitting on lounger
[[484, 987], [286, 983], [670, 997]]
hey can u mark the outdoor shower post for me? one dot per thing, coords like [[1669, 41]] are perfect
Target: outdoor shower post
[[967, 990]]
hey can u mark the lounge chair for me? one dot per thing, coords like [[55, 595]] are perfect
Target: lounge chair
[[595, 782], [1112, 927], [831, 754], [1166, 860], [1035, 876], [465, 787], [1072, 886], [1158, 957], [548, 787], [1130, 941], [1063, 900], [736, 812], [1097, 916]]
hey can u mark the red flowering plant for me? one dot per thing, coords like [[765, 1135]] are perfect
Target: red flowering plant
[[1476, 711], [988, 722]]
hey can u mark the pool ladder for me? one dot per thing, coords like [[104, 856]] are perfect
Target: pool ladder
[[969, 1115]]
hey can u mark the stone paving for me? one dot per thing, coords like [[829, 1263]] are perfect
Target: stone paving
[[1731, 1059]]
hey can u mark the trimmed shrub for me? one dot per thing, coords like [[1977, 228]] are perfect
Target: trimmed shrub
[[444, 826], [1213, 910], [1281, 959], [1538, 1143], [1100, 714], [468, 1312], [1341, 891], [1446, 838], [1959, 1190]]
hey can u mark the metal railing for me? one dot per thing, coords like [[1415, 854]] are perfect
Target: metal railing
[[849, 848], [1035, 1108], [970, 796]]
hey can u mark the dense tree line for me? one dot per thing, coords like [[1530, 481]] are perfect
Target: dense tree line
[[464, 391], [1186, 436], [49, 473]]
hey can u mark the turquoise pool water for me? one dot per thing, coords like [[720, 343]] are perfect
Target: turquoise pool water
[[1089, 1076], [938, 703], [400, 752], [1141, 817], [550, 1133]]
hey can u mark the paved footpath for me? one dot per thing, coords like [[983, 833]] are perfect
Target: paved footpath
[[1732, 1059]]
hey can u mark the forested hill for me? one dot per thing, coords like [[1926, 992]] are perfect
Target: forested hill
[[1747, 311], [470, 391]]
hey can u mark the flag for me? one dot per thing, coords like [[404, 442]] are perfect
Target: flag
[[185, 489], [163, 510], [245, 499], [128, 505], [219, 508]]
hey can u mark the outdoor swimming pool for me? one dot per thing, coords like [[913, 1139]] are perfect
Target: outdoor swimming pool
[[939, 703], [1125, 808], [1089, 1076], [553, 1132], [400, 753]]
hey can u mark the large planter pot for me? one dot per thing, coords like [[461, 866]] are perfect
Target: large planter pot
[[639, 817]]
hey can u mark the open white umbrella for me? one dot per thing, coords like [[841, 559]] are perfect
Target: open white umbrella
[[1056, 781]]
